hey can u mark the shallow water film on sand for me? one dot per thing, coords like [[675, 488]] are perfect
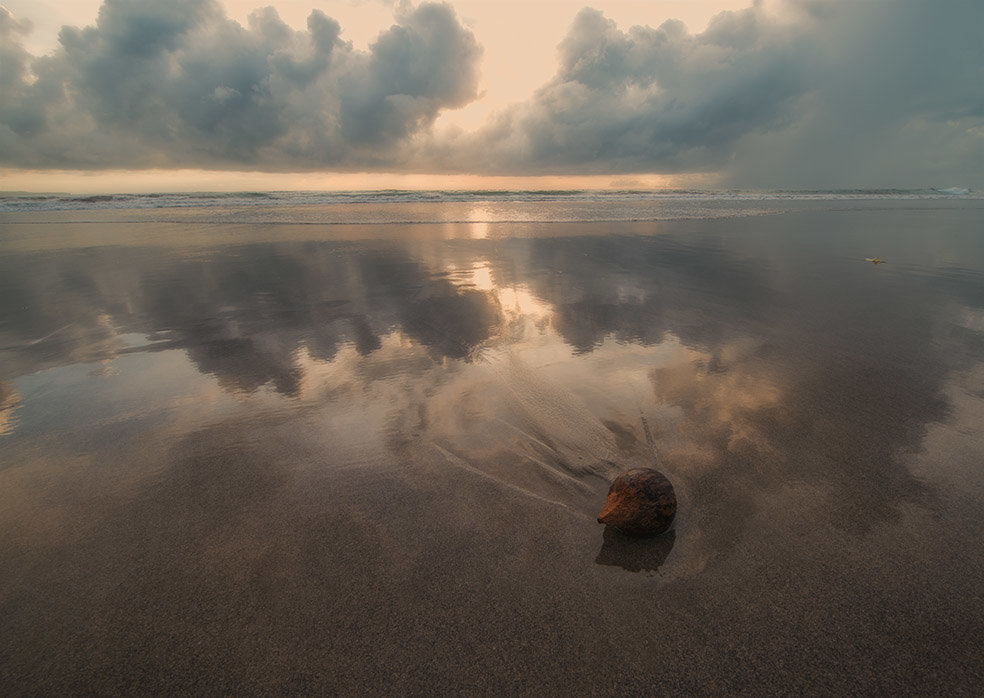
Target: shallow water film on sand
[[249, 450]]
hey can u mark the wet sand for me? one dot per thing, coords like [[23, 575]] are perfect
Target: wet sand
[[368, 459]]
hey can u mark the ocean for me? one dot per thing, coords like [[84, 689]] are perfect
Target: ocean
[[403, 206], [356, 442]]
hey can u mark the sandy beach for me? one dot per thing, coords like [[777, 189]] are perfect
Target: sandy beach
[[366, 458]]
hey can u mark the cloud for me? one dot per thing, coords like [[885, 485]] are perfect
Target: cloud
[[816, 93], [629, 101], [178, 84], [824, 94], [893, 96]]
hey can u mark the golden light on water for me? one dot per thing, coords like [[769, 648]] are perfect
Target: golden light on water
[[479, 217], [9, 402]]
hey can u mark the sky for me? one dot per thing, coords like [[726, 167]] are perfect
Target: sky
[[138, 95]]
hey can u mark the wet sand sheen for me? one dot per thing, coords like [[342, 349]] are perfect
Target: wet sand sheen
[[333, 462]]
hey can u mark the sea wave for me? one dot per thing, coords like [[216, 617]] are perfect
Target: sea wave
[[25, 202]]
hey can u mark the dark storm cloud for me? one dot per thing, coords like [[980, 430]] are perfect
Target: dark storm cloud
[[893, 97], [833, 94], [179, 84]]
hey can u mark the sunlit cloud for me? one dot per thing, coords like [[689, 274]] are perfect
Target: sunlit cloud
[[179, 84]]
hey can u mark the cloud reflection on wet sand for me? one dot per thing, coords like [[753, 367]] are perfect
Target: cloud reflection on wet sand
[[345, 436]]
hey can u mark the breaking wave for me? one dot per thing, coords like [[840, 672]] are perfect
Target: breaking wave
[[474, 206]]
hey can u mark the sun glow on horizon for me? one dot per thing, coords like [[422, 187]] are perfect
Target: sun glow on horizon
[[164, 181]]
